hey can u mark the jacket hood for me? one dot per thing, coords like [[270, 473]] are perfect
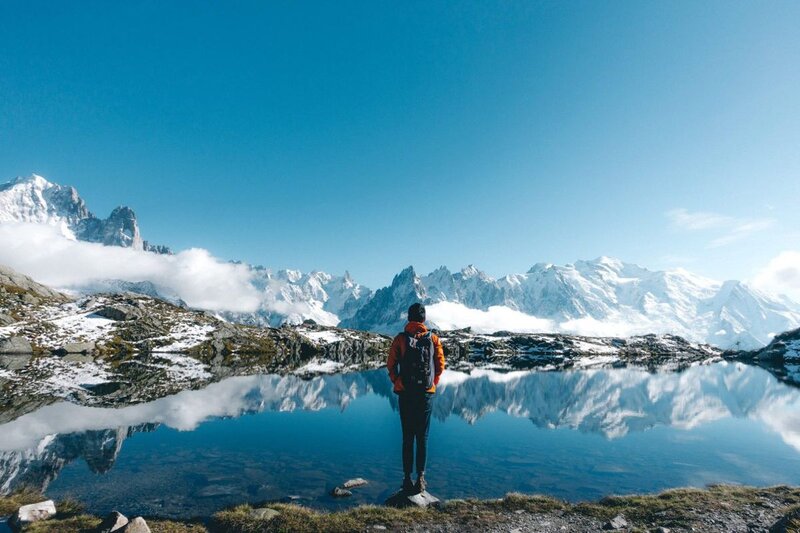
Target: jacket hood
[[415, 328]]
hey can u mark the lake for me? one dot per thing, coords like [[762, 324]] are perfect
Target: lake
[[574, 435]]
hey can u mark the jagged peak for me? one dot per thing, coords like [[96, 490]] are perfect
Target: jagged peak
[[470, 270]]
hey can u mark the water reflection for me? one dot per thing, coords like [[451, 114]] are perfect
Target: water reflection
[[611, 403]]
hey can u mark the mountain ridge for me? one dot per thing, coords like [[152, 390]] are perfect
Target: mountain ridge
[[600, 297]]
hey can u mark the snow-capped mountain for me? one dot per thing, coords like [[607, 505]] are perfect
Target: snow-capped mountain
[[290, 296], [600, 297], [34, 199]]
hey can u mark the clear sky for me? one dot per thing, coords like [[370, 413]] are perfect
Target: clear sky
[[372, 135]]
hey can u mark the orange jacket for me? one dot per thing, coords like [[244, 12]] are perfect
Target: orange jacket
[[398, 348]]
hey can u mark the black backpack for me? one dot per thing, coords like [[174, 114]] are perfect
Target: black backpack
[[416, 366]]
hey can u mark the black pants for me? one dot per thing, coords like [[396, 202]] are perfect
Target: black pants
[[415, 417]]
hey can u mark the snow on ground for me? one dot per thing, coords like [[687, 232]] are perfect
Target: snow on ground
[[66, 377], [322, 336], [591, 347], [598, 360], [182, 367], [319, 366], [185, 335], [83, 326]]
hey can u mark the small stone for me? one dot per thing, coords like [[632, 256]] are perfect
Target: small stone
[[33, 512], [137, 525], [424, 499], [662, 530], [113, 521], [618, 522], [353, 483], [515, 530], [519, 511], [379, 527], [264, 513], [339, 492]]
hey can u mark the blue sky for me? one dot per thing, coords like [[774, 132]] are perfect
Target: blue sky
[[372, 135]]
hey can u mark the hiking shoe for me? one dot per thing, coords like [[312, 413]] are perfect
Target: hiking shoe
[[421, 485], [407, 485]]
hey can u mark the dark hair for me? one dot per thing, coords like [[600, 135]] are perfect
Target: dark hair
[[416, 313]]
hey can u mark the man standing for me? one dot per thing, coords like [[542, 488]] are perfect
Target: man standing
[[416, 360]]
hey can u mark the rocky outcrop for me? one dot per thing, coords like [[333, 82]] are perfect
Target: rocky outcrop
[[557, 352]]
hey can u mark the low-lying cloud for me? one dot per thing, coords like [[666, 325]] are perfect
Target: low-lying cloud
[[198, 278]]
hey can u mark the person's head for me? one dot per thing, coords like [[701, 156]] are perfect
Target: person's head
[[416, 313]]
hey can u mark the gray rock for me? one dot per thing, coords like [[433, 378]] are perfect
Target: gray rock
[[13, 278], [119, 312], [339, 492], [137, 525], [113, 521], [15, 345], [15, 362], [618, 522], [423, 499], [34, 512], [78, 347], [403, 499], [662, 530], [264, 513], [6, 319], [30, 299], [354, 483]]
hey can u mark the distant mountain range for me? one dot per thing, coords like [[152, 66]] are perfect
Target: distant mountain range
[[604, 296]]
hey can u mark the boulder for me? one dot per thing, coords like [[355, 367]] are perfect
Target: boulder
[[264, 513], [119, 312], [114, 521], [34, 512], [354, 483], [15, 345], [137, 525], [339, 492], [618, 522], [77, 347]]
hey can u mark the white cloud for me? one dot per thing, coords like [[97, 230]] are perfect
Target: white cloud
[[732, 228], [698, 220], [451, 315], [197, 277], [781, 275]]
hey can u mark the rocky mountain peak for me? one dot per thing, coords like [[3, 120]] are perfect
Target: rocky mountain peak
[[34, 199]]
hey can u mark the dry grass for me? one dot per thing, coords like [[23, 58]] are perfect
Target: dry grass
[[673, 508]]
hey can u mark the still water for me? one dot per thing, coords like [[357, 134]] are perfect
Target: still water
[[574, 435]]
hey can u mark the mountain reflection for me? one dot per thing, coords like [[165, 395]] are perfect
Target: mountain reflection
[[610, 402]]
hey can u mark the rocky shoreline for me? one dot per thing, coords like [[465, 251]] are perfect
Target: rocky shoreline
[[716, 508]]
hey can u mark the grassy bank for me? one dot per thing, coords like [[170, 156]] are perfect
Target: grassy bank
[[677, 509]]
